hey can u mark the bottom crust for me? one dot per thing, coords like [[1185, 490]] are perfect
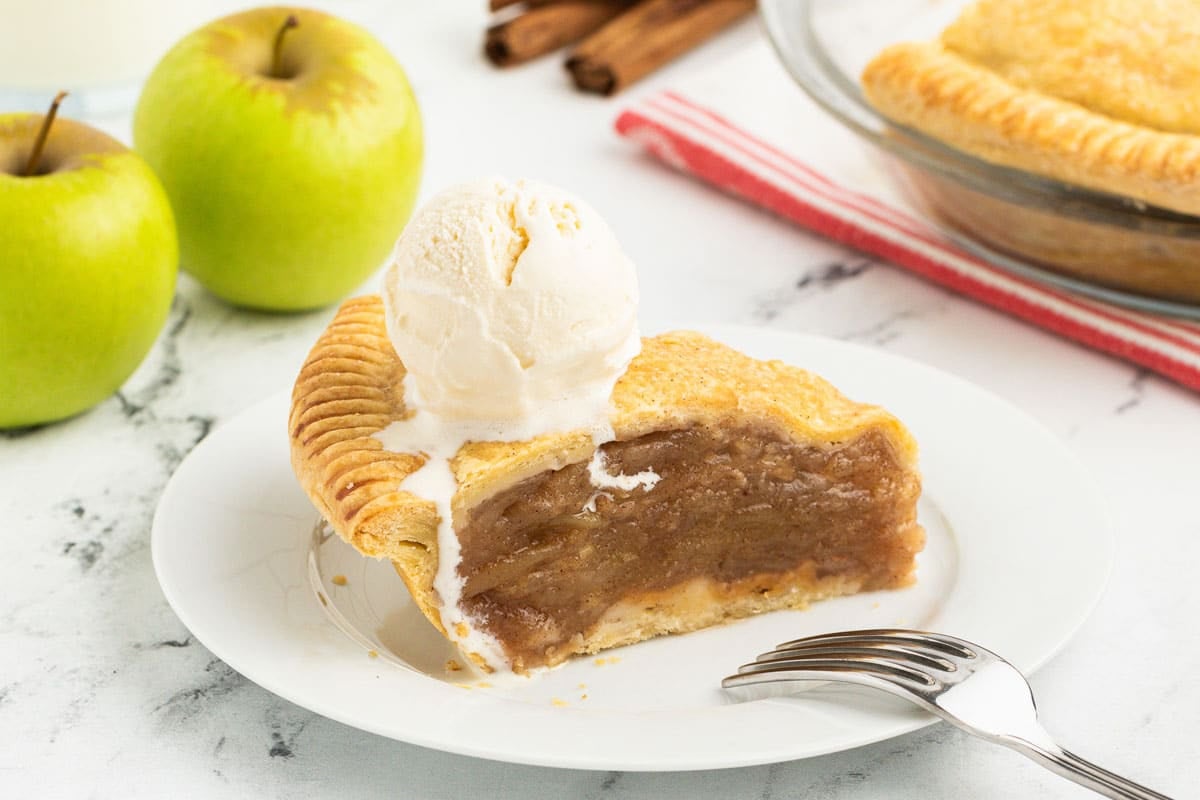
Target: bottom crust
[[691, 606], [703, 602]]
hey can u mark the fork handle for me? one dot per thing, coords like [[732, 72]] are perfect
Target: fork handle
[[1084, 772]]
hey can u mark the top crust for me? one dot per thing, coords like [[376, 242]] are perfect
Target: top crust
[[1098, 93], [350, 389]]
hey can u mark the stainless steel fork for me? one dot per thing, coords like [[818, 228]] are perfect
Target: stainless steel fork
[[961, 682]]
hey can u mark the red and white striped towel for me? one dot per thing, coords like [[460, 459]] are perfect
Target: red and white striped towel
[[776, 149]]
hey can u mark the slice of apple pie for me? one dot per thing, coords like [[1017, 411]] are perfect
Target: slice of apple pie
[[732, 487]]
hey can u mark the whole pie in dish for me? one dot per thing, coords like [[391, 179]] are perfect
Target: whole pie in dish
[[1097, 93], [730, 487]]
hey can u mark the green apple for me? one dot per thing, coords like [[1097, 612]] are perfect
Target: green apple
[[88, 257], [290, 145]]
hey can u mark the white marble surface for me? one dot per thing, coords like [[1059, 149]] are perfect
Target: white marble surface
[[104, 694]]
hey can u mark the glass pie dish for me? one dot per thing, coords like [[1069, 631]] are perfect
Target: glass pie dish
[[1102, 245]]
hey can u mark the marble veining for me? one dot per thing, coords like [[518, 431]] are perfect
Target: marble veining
[[829, 275], [1137, 390], [825, 276], [105, 694]]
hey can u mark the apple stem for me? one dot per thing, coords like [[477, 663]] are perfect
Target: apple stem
[[43, 134], [277, 50]]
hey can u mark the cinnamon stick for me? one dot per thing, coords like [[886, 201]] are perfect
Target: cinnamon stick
[[547, 27], [496, 5], [647, 36]]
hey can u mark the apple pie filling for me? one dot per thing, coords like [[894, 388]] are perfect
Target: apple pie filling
[[742, 512]]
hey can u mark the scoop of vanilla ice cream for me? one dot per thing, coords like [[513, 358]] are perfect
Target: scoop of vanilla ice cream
[[509, 298]]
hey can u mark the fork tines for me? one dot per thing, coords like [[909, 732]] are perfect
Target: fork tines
[[937, 641], [915, 658]]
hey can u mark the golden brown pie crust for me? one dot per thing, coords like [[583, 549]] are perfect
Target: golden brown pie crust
[[1097, 93], [350, 389]]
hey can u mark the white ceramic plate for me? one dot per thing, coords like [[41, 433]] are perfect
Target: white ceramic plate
[[1018, 552]]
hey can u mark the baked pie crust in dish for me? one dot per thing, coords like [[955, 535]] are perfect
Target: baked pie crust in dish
[[769, 490], [1097, 93]]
